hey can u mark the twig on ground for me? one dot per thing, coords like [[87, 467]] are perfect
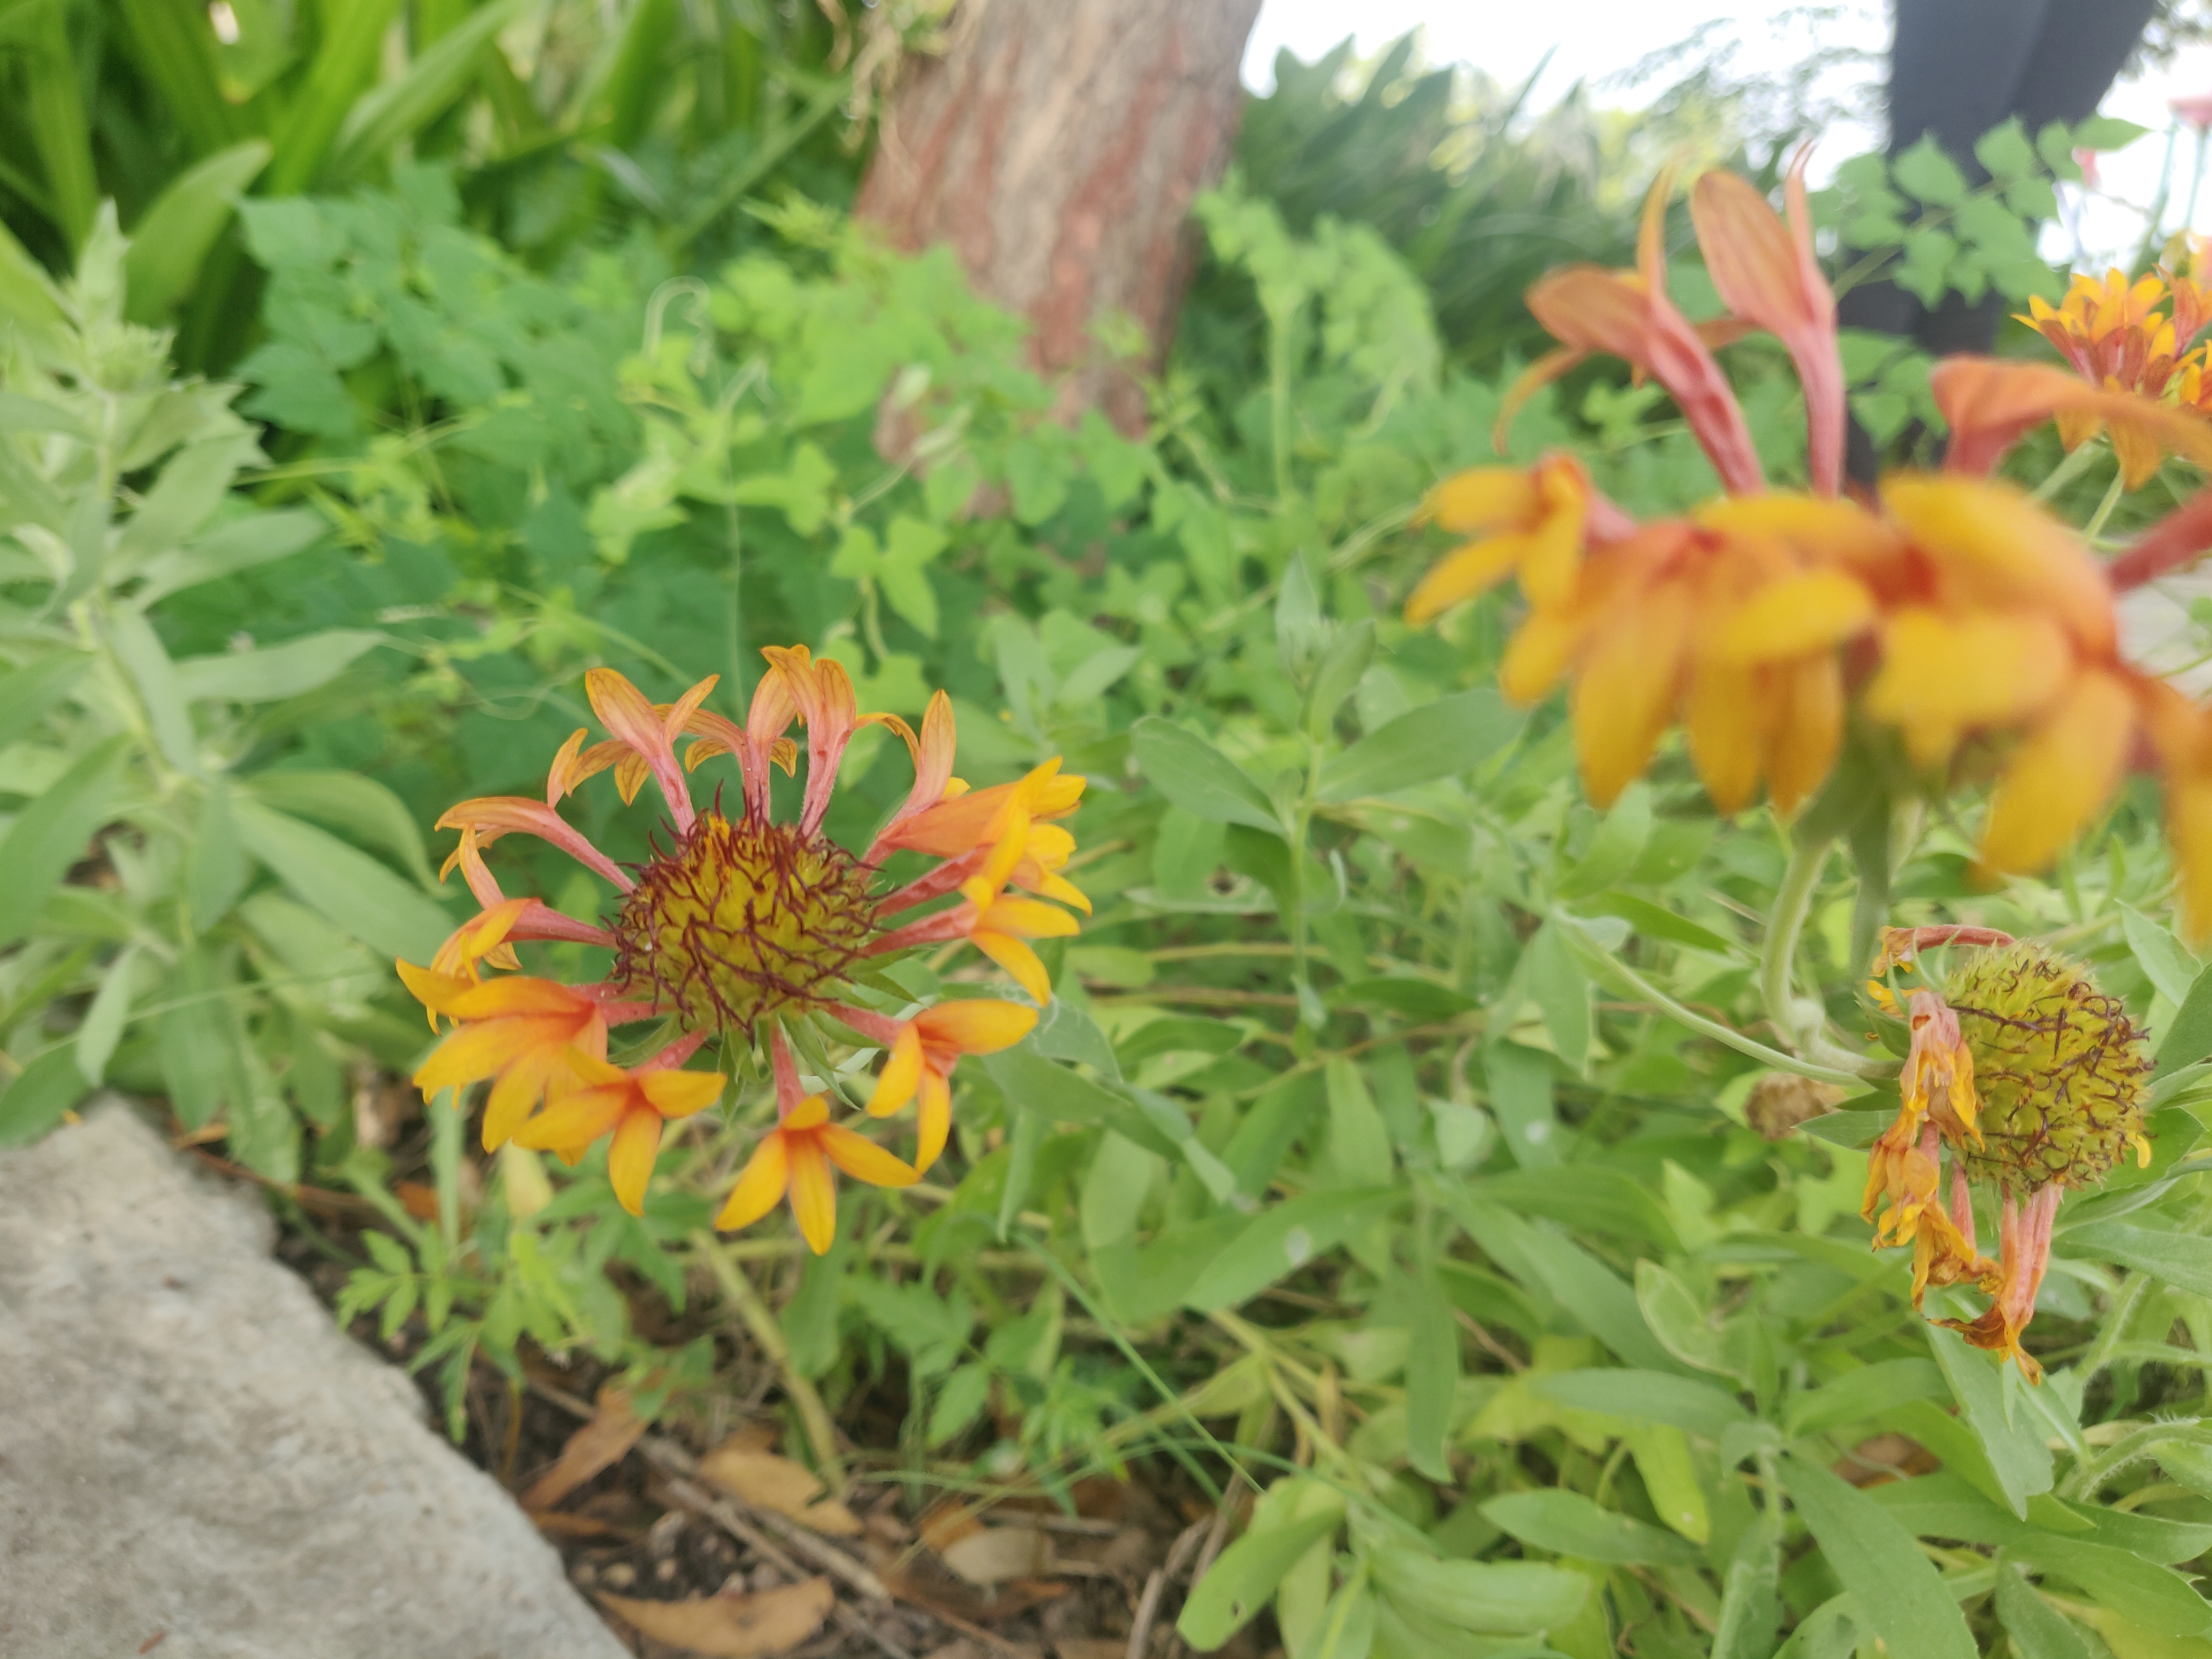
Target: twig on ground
[[1148, 1605]]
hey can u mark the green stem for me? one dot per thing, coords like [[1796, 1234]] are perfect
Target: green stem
[[2108, 1335], [1829, 1065], [1784, 929], [2112, 494], [1278, 386], [2076, 462]]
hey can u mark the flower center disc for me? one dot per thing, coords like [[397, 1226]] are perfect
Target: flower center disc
[[743, 921], [2059, 1067]]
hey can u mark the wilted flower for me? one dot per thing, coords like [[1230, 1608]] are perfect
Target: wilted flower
[[743, 929], [2032, 1079]]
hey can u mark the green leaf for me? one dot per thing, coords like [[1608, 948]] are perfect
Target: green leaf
[[104, 1020], [2105, 132], [2153, 1597], [2169, 966], [2188, 1038], [1567, 1523], [1927, 174], [1586, 1196], [1432, 1377], [1280, 1240], [960, 1401], [1662, 1457], [171, 239], [1613, 850], [2005, 151], [2035, 1628], [380, 117], [1504, 1597], [1682, 1402], [1197, 777], [1446, 737], [1896, 1586], [1519, 1082], [226, 550], [28, 298], [1675, 1317], [1300, 633], [48, 1087], [29, 691], [1866, 1392], [1338, 670], [362, 807], [272, 673], [2181, 1260], [52, 832], [1237, 1586], [2018, 1456], [1359, 1142], [217, 868], [362, 895], [345, 61], [147, 660], [1561, 990]]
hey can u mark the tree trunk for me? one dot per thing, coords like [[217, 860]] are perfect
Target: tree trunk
[[1057, 146]]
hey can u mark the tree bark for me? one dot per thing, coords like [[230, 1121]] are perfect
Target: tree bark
[[1057, 146]]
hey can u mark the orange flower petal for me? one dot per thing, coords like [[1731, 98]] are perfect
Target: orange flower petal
[[1727, 719], [577, 1119], [1807, 730], [932, 1124], [1462, 573], [674, 1093]]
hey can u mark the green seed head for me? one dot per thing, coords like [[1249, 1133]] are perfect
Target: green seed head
[[744, 919], [2059, 1067]]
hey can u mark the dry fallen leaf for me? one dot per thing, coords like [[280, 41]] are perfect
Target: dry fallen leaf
[[743, 1467], [993, 1555], [1088, 1647], [731, 1626], [601, 1442]]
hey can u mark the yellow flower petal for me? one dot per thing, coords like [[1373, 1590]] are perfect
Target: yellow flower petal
[[1824, 529], [2066, 769], [1018, 960], [813, 1192], [515, 1096], [678, 1093], [1463, 573], [760, 1184], [1483, 496], [933, 1123], [1807, 730], [479, 1051], [901, 1076], [861, 1158], [1625, 691], [976, 1026], [576, 1120], [1539, 652], [631, 1154], [2004, 550], [1942, 676], [1027, 919], [1815, 610], [1727, 719], [810, 1113]]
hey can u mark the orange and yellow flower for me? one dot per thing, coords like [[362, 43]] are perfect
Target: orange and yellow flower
[[799, 1158], [747, 926], [1951, 608]]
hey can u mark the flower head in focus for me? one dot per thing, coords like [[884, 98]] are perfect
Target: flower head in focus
[[2028, 1077], [744, 931]]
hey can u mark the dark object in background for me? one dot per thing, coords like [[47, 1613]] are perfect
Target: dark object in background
[[1958, 68]]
